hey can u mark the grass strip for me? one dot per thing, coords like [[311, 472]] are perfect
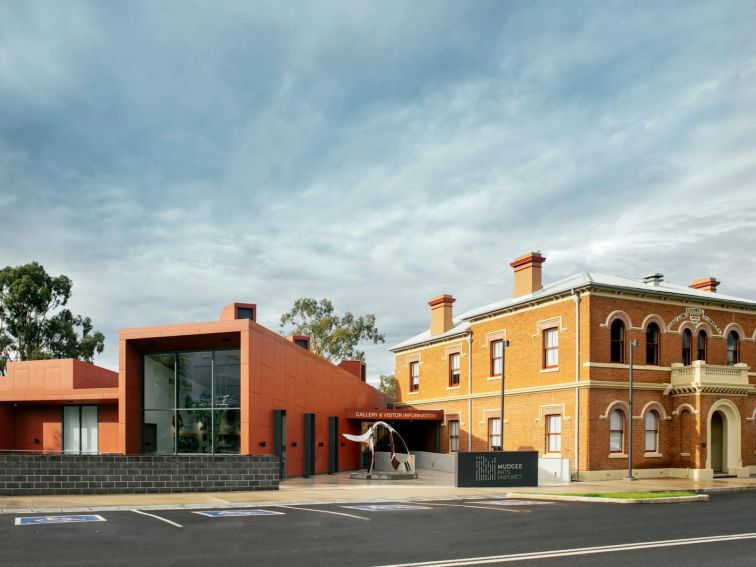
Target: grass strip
[[668, 494]]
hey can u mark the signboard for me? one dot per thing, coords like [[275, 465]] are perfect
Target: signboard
[[502, 468], [37, 520], [237, 513], [396, 414]]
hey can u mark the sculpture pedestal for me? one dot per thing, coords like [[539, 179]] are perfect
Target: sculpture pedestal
[[383, 475]]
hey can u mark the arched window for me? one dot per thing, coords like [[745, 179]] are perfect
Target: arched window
[[701, 346], [733, 348], [687, 339], [652, 344], [616, 431], [652, 431], [618, 341]]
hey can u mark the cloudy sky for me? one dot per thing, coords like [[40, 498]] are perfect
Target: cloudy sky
[[172, 157]]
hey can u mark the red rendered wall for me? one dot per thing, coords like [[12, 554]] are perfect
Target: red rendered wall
[[107, 430], [285, 376], [7, 426], [41, 423]]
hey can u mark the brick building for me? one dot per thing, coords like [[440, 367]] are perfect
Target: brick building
[[565, 349]]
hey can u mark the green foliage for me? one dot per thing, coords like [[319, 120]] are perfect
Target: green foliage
[[387, 385], [629, 495], [32, 324], [331, 337]]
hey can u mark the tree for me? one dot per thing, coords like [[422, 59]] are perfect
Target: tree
[[331, 337], [32, 324], [387, 385]]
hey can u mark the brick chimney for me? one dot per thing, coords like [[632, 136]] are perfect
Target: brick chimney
[[527, 273], [706, 284], [441, 314]]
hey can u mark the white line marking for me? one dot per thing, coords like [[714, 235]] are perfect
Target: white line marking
[[388, 507], [498, 508], [511, 502], [324, 512], [577, 551], [166, 520], [233, 513]]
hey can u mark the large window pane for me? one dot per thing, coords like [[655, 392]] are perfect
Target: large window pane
[[227, 431], [89, 429], [227, 378], [195, 375], [195, 431], [158, 431], [191, 402], [71, 429], [159, 381]]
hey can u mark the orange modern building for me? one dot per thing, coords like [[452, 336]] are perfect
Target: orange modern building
[[564, 350], [223, 388]]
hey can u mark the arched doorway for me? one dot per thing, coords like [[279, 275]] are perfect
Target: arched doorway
[[718, 443], [723, 438]]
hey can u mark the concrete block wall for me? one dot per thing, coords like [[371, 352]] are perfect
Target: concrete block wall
[[31, 475]]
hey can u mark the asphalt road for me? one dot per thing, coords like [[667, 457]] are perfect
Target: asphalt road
[[437, 531]]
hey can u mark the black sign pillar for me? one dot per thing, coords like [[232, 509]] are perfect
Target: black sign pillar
[[279, 439], [333, 444], [309, 442]]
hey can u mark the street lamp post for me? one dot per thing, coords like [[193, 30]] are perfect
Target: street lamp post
[[504, 345], [633, 344]]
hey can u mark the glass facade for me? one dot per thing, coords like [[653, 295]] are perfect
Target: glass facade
[[191, 402], [80, 429]]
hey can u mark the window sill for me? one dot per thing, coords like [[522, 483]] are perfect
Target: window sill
[[552, 369], [415, 393], [617, 455], [552, 456], [493, 378], [652, 455], [685, 454], [453, 387]]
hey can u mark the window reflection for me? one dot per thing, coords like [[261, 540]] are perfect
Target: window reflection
[[191, 402]]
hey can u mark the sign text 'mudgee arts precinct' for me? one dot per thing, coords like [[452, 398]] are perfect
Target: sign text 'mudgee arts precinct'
[[509, 468]]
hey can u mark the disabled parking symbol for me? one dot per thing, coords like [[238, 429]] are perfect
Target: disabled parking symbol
[[387, 507], [238, 513], [78, 518]]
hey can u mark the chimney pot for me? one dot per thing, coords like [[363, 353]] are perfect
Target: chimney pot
[[527, 273], [706, 284], [441, 314]]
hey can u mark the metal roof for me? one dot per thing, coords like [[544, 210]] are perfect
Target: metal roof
[[576, 281]]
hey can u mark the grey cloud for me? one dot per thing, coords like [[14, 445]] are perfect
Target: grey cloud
[[175, 157]]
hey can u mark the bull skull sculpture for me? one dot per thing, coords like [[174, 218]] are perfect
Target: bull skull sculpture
[[369, 437]]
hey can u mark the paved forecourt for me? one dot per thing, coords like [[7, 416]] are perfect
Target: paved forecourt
[[389, 533]]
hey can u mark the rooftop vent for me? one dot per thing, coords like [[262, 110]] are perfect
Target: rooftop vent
[[654, 279]]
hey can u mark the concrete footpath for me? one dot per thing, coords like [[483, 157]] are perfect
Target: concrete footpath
[[340, 488]]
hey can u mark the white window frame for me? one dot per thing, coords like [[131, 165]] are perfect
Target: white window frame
[[553, 434]]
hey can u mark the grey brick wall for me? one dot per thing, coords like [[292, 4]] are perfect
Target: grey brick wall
[[25, 475]]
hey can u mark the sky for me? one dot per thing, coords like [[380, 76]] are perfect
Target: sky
[[173, 157]]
